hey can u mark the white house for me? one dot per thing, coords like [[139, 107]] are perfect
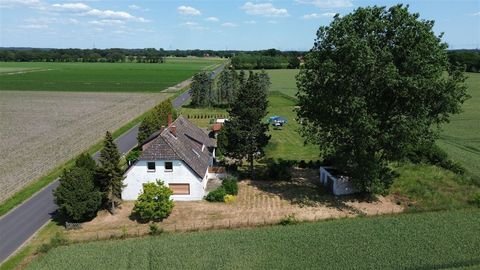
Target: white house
[[337, 184], [179, 155]]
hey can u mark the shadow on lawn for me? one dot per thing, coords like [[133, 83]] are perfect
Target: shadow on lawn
[[305, 190]]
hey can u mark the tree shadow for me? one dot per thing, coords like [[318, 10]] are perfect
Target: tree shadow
[[304, 189]]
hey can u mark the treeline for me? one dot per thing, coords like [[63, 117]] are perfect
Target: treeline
[[150, 55], [268, 59], [469, 59], [224, 93]]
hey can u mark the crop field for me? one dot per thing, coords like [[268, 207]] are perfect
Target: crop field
[[410, 241], [100, 77], [41, 130], [461, 137]]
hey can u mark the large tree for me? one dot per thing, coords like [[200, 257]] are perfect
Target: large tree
[[77, 196], [109, 174], [245, 133], [155, 119], [376, 84], [202, 90], [227, 86]]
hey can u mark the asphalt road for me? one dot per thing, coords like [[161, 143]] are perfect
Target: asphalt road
[[23, 222]]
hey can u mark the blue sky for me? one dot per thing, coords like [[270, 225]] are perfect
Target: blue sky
[[206, 24]]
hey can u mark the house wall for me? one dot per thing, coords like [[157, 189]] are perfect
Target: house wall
[[138, 175]]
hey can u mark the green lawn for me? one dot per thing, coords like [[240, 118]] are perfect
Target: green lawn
[[461, 137], [101, 77], [286, 143], [410, 241], [283, 80]]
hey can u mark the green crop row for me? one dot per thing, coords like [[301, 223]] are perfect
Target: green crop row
[[410, 241]]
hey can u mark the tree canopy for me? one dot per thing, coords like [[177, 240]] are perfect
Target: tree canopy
[[155, 119], [376, 84], [202, 90], [77, 197], [109, 174], [245, 133]]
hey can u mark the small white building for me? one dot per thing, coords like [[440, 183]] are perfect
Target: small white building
[[337, 184], [179, 155]]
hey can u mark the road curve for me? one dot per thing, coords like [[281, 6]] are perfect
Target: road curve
[[20, 224]]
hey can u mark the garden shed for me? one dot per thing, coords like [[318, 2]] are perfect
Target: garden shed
[[335, 182]]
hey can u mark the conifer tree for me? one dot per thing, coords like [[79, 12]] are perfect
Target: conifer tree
[[109, 174], [77, 197], [245, 134], [202, 90]]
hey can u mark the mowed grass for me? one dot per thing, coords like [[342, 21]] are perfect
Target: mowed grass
[[283, 80], [287, 143], [461, 137], [101, 77], [413, 241]]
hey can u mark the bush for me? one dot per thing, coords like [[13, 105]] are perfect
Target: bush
[[476, 199], [218, 195], [155, 230], [133, 155], [154, 204], [77, 197], [279, 170], [230, 184], [289, 220], [433, 154], [229, 198]]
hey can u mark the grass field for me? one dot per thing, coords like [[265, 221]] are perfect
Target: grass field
[[100, 77], [286, 143], [415, 241], [461, 137], [283, 80]]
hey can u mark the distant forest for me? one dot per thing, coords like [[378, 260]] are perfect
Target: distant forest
[[469, 59], [261, 59], [149, 55]]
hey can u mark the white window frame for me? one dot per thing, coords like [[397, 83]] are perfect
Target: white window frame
[[165, 166]]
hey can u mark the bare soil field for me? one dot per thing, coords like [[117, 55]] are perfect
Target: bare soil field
[[39, 130], [257, 203]]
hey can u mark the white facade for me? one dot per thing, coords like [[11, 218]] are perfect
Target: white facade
[[138, 174], [338, 186]]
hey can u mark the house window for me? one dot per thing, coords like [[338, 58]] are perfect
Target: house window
[[151, 166], [168, 166], [180, 189]]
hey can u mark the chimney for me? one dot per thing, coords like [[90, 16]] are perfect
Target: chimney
[[173, 130], [169, 119]]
